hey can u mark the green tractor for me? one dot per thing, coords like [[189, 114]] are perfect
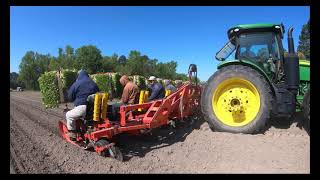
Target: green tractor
[[256, 80]]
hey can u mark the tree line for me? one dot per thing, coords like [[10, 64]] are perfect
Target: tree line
[[304, 41], [89, 58]]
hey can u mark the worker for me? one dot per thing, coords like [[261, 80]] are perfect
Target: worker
[[129, 95], [157, 90], [248, 53], [169, 86], [179, 83], [78, 94], [130, 91]]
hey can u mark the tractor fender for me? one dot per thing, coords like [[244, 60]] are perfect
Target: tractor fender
[[249, 64]]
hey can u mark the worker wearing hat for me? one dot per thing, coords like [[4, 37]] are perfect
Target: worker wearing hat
[[157, 90], [130, 95]]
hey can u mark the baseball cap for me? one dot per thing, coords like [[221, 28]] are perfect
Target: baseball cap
[[152, 78]]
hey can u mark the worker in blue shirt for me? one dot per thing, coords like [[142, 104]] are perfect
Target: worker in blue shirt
[[157, 89]]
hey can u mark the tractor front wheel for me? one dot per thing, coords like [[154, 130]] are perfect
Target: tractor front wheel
[[237, 99]]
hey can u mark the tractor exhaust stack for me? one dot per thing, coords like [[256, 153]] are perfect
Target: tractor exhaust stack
[[290, 41], [291, 66]]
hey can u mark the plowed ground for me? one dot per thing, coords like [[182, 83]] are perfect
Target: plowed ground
[[191, 147]]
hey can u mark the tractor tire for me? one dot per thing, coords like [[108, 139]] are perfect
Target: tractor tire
[[306, 109], [223, 108]]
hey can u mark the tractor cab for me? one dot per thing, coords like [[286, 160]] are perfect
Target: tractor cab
[[260, 44]]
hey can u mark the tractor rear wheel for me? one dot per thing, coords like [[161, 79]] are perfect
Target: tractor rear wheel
[[306, 108], [237, 99]]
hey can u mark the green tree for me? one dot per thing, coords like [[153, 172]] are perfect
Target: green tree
[[43, 62], [166, 70], [136, 64], [151, 67], [114, 62], [64, 60], [88, 58], [304, 41], [109, 64], [69, 57], [121, 65], [31, 67], [181, 76], [122, 60], [14, 80], [54, 64]]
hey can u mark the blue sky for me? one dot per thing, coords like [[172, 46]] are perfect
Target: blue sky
[[183, 34]]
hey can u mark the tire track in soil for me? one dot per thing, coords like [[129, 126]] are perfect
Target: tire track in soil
[[171, 155], [15, 164], [29, 152], [41, 108], [50, 124], [31, 149], [122, 167], [49, 153]]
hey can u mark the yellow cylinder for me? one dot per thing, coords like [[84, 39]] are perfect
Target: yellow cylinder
[[146, 96], [141, 98], [96, 110], [104, 105], [168, 92]]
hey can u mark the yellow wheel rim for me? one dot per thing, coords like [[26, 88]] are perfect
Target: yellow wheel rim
[[236, 102]]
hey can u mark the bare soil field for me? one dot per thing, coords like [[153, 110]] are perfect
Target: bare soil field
[[191, 147]]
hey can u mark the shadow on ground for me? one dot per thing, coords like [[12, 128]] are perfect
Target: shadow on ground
[[285, 123], [167, 135], [160, 137]]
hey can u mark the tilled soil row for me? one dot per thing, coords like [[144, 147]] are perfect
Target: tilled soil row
[[15, 164], [188, 148], [48, 153], [58, 112], [49, 127], [47, 120], [29, 153], [41, 151]]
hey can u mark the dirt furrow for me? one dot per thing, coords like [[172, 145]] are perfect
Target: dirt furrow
[[38, 106], [15, 164], [43, 152], [188, 148], [39, 117], [30, 150]]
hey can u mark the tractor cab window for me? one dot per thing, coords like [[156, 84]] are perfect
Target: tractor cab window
[[258, 47], [227, 51]]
